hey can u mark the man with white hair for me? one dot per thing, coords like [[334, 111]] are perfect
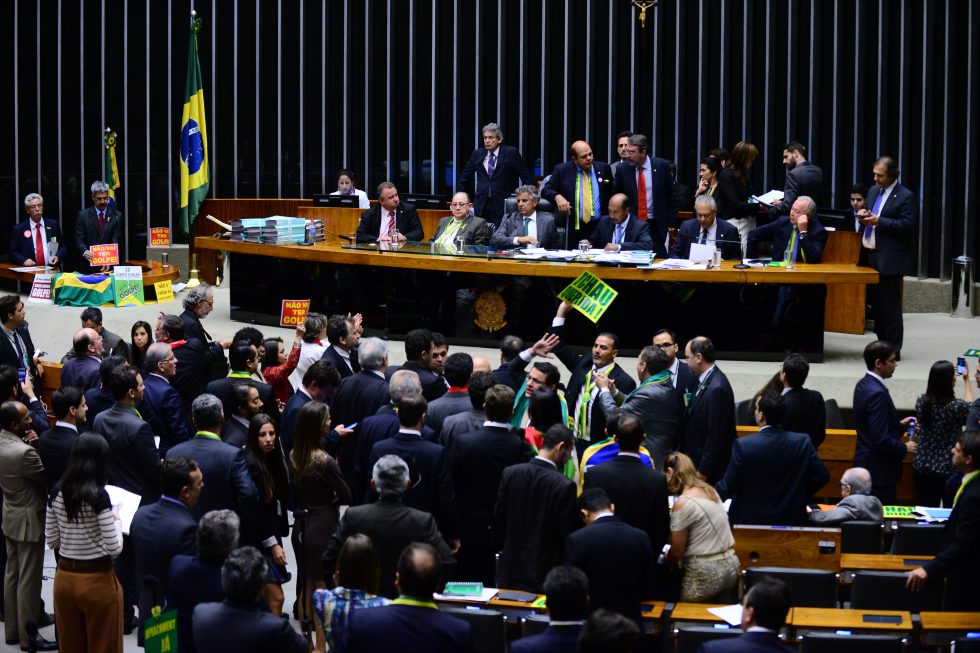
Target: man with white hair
[[492, 173], [857, 502], [390, 524], [29, 240], [99, 224]]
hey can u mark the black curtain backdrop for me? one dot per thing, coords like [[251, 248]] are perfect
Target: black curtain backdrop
[[398, 89]]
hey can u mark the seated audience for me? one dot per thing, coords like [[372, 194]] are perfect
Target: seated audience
[[113, 345], [941, 417], [238, 624], [700, 536], [55, 445], [567, 589], [856, 504], [764, 611]]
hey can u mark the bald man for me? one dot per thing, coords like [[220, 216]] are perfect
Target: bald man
[[579, 188], [619, 230], [82, 371]]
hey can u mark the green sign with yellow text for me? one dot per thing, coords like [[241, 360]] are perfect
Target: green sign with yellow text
[[589, 295], [160, 632]]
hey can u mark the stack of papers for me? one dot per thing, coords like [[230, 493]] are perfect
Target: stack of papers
[[769, 197], [678, 264], [932, 514]]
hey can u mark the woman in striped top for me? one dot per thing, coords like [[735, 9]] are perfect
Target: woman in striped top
[[86, 532]]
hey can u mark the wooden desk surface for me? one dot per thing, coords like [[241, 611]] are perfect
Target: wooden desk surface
[[152, 272], [697, 612], [824, 273], [871, 562], [535, 605], [949, 620], [846, 618]]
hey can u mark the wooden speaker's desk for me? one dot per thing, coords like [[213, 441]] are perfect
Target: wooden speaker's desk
[[857, 621]]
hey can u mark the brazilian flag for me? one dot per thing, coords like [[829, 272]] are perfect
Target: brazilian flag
[[194, 176], [71, 289], [111, 167]]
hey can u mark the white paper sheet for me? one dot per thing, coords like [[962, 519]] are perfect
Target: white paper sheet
[[127, 503], [701, 252], [769, 197], [731, 614]]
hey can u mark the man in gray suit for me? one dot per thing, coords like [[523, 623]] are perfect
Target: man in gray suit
[[461, 222], [802, 179], [24, 491], [857, 502], [527, 226], [653, 401]]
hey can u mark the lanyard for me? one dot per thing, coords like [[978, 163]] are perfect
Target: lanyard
[[207, 435], [659, 377], [585, 401], [450, 232], [966, 481], [239, 375], [418, 603]]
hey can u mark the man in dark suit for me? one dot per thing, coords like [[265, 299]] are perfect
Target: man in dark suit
[[640, 493], [413, 623], [654, 196], [680, 376], [757, 482], [707, 229], [492, 173], [82, 371], [582, 391], [344, 336], [567, 589], [510, 347], [244, 361], [170, 421], [198, 304], [857, 194], [470, 420], [617, 581], [195, 359], [17, 348], [461, 224], [806, 411], [526, 227], [318, 384], [239, 623], [879, 447], [55, 445], [457, 371], [99, 224], [112, 344], [30, 239], [389, 523], [579, 189], [802, 178], [888, 226], [228, 484], [708, 428], [619, 230], [531, 534], [432, 488], [957, 561], [425, 354], [797, 237], [380, 222], [165, 529], [764, 611], [243, 404], [478, 460]]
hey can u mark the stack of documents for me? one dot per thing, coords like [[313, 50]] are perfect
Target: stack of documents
[[678, 264], [280, 230], [769, 197]]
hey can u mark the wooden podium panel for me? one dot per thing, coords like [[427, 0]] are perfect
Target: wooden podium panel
[[844, 305], [787, 546]]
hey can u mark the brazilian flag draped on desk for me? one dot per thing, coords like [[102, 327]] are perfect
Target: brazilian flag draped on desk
[[194, 176]]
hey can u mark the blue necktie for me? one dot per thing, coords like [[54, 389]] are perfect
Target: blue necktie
[[875, 209], [618, 236], [491, 162]]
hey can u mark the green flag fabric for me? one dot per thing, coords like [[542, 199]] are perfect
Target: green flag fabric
[[194, 167]]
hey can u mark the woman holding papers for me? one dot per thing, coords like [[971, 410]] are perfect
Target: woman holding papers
[[941, 418], [81, 522], [733, 193]]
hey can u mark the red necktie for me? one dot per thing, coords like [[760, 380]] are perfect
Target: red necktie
[[391, 223], [641, 195], [101, 221], [38, 245]]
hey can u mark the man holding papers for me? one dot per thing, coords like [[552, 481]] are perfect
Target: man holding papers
[[706, 230]]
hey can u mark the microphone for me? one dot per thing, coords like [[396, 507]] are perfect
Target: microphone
[[341, 236]]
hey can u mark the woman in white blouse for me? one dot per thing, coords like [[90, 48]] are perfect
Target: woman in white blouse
[[345, 186], [86, 532]]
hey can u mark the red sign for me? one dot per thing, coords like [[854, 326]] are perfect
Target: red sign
[[104, 254], [294, 312], [159, 237]]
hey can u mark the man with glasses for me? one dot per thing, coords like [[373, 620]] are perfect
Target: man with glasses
[[99, 224], [647, 182], [169, 420], [461, 225], [680, 376], [30, 239]]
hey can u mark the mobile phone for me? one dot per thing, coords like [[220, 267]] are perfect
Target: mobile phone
[[960, 365], [352, 426]]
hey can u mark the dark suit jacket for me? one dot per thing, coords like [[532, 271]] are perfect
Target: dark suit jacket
[[432, 486], [331, 355], [771, 476], [618, 561], [957, 561], [234, 433], [663, 194], [8, 354], [806, 412], [191, 582], [804, 179], [779, 233], [474, 230], [169, 421], [879, 447], [160, 531], [391, 526], [489, 193], [896, 224], [372, 430], [757, 642], [503, 374], [358, 397], [194, 361], [87, 232], [579, 365], [732, 197], [236, 628], [637, 235], [639, 493], [193, 327], [726, 237], [562, 182], [709, 426], [406, 629], [554, 639], [531, 534], [288, 422], [134, 463], [227, 484], [221, 388], [451, 403], [406, 220], [83, 373], [433, 385], [512, 227], [22, 247], [54, 446]]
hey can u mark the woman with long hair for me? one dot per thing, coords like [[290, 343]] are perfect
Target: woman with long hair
[[357, 580], [320, 491], [345, 186], [140, 339], [277, 366], [734, 192], [941, 419], [701, 540], [82, 524], [267, 467]]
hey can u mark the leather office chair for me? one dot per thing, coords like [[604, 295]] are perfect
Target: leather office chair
[[544, 206], [835, 643], [918, 539], [860, 537], [885, 590], [487, 628], [810, 588], [966, 645], [834, 418], [534, 624], [690, 638]]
